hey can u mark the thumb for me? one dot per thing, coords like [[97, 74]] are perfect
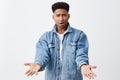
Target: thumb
[[92, 67], [27, 64], [36, 72]]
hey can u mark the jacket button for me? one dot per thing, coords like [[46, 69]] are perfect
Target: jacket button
[[58, 58], [59, 68]]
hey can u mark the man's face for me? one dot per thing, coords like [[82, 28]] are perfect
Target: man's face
[[61, 17]]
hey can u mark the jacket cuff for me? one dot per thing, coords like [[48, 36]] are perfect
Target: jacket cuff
[[41, 67], [82, 63]]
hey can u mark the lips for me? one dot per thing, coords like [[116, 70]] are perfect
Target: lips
[[61, 23]]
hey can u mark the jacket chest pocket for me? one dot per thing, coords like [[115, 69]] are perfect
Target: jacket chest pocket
[[52, 51], [51, 47], [71, 47]]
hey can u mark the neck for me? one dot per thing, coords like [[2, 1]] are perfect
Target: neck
[[61, 30]]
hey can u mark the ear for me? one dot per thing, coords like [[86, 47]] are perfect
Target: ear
[[68, 16], [53, 16]]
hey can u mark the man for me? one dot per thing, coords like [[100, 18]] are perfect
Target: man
[[63, 52]]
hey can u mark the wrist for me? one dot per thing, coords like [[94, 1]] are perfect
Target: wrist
[[83, 65]]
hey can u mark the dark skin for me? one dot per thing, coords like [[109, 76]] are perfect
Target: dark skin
[[61, 17]]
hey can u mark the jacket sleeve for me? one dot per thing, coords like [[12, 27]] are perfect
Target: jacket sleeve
[[42, 53], [82, 50]]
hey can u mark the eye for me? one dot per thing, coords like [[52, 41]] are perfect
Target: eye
[[57, 15], [64, 15]]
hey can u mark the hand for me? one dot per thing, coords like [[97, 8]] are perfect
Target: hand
[[34, 68], [87, 71]]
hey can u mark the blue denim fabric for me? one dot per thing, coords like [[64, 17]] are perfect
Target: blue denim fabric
[[74, 54]]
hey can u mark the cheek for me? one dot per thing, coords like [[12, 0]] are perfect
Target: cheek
[[66, 19], [56, 19]]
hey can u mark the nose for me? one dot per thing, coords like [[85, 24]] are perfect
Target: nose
[[61, 18]]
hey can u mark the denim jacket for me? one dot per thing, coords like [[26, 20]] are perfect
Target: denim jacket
[[74, 54]]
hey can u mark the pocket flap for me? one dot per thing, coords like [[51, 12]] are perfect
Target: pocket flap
[[51, 45], [73, 43]]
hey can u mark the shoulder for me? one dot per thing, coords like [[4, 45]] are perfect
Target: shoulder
[[78, 31], [45, 35]]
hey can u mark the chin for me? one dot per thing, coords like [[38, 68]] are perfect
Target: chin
[[62, 25]]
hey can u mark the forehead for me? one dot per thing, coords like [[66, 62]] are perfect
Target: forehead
[[60, 11]]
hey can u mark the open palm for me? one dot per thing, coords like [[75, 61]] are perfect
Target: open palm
[[33, 69]]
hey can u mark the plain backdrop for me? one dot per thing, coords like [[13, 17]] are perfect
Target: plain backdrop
[[22, 22]]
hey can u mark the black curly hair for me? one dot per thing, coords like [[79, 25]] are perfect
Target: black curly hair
[[60, 5]]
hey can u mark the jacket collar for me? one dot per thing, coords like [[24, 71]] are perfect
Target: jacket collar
[[69, 28]]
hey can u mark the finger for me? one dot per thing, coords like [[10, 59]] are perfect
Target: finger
[[30, 73], [93, 74], [33, 72], [27, 72], [92, 67], [36, 72], [85, 75], [88, 76], [27, 64]]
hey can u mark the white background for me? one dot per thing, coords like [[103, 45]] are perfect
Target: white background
[[22, 22]]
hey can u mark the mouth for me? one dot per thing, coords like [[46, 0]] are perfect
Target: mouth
[[61, 23]]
